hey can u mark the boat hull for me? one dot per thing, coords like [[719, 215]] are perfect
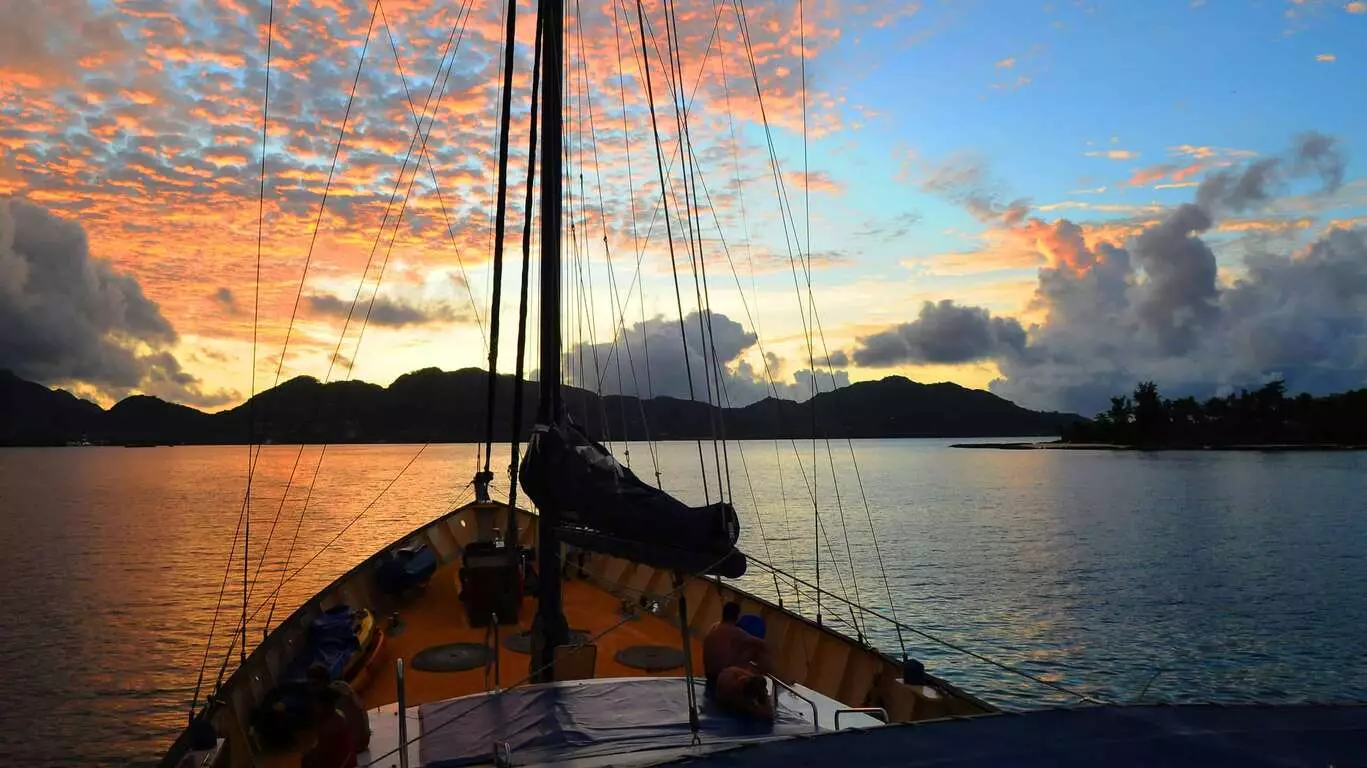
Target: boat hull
[[805, 652]]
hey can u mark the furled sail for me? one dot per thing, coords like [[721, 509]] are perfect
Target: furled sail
[[603, 506]]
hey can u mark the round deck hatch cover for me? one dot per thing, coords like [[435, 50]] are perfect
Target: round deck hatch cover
[[451, 657]]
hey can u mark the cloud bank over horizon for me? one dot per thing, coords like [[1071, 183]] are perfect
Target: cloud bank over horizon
[[1154, 305], [655, 358], [67, 316]]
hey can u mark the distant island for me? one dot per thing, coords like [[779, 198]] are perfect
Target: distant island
[[1264, 419], [432, 405]]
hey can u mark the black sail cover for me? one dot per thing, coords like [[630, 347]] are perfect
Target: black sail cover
[[603, 506]]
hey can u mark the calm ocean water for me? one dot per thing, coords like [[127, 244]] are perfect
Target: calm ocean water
[[1230, 576]]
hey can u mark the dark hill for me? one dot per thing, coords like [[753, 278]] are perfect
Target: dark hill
[[32, 414], [898, 407], [441, 406]]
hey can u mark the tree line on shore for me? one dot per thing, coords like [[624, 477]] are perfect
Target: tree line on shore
[[1264, 416]]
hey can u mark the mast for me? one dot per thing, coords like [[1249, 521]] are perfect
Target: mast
[[549, 628]]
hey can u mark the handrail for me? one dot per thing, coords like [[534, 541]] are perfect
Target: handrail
[[403, 714], [860, 711], [816, 719], [498, 681], [867, 612]]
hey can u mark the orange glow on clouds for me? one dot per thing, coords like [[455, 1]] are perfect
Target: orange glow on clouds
[[145, 128]]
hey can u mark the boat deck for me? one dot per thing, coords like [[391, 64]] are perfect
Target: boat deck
[[438, 617], [603, 602]]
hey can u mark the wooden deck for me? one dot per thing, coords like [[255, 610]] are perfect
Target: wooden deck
[[438, 617]]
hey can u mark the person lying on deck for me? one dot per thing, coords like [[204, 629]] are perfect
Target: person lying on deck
[[744, 692], [727, 645]]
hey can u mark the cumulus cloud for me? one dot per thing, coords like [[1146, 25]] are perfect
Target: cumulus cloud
[[963, 179], [386, 312], [69, 317], [944, 332], [1156, 309], [1124, 302], [656, 358]]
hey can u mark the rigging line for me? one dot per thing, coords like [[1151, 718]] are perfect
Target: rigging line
[[754, 501], [586, 306], [489, 213], [811, 301], [299, 454], [308, 259], [223, 588], [452, 46], [253, 457], [706, 333], [436, 187], [669, 166], [811, 488], [256, 313], [807, 273], [769, 377], [740, 187], [835, 564], [496, 695], [333, 540], [586, 295], [587, 105], [947, 643], [289, 553], [743, 25], [621, 307], [519, 383], [673, 263], [811, 355], [754, 288], [787, 524], [607, 251], [500, 221], [887, 588]]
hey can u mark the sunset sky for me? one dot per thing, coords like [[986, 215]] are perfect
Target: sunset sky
[[1052, 199]]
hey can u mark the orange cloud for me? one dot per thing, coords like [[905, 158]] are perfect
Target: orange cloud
[[817, 181], [1172, 171], [1265, 224], [1113, 154]]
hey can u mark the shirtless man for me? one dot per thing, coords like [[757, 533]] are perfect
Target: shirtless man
[[727, 645], [744, 692]]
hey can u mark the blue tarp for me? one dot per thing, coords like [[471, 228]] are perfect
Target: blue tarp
[[582, 721], [406, 568], [1188, 735], [331, 642]]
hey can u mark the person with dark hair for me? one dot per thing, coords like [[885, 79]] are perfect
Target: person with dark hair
[[727, 645], [348, 703], [744, 692], [333, 746]]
